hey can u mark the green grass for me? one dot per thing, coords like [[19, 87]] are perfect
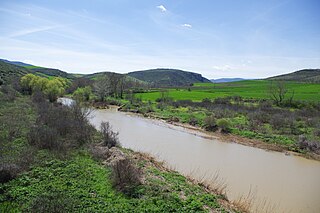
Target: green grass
[[257, 89], [81, 184], [32, 67]]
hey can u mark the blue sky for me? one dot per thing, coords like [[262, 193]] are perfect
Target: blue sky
[[217, 38]]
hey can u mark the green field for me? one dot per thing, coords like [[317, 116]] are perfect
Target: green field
[[257, 89]]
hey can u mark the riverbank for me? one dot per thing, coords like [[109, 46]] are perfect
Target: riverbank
[[243, 168], [68, 174], [225, 137]]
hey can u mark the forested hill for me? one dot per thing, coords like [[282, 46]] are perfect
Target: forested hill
[[168, 77], [306, 75], [10, 71]]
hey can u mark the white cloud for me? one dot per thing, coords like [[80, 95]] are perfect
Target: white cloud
[[222, 68], [162, 8], [187, 25]]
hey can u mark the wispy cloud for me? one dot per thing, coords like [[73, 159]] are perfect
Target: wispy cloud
[[187, 25], [33, 30], [162, 8]]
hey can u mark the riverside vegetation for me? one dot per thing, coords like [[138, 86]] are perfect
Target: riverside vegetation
[[283, 115], [53, 160]]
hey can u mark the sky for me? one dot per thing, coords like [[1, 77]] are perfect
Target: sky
[[217, 38]]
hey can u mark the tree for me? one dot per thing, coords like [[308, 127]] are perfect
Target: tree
[[54, 89], [102, 87], [82, 94], [278, 92], [39, 84], [26, 82]]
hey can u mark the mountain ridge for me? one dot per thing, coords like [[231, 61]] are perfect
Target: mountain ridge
[[164, 77], [304, 75]]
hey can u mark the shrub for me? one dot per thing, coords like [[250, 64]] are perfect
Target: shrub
[[224, 125], [193, 121], [110, 138], [52, 202], [9, 92], [125, 175], [99, 152], [38, 97], [305, 144], [210, 123], [44, 137], [8, 172]]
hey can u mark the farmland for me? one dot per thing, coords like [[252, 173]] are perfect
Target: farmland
[[250, 89]]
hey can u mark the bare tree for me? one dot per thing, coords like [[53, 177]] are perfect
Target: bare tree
[[110, 138], [278, 91], [102, 87]]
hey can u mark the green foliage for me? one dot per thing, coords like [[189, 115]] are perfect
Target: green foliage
[[54, 88], [81, 184], [82, 94], [224, 125], [51, 87]]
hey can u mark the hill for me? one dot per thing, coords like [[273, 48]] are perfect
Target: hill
[[17, 63], [225, 80], [9, 71], [168, 77], [41, 71], [306, 75], [49, 72]]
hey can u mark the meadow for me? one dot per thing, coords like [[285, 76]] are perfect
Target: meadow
[[250, 89]]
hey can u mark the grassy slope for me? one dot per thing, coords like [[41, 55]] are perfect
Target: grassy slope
[[9, 71], [81, 184], [248, 89], [86, 186], [306, 75]]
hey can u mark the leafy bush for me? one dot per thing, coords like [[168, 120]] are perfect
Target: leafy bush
[[224, 125]]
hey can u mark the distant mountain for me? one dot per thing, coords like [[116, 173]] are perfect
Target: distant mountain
[[17, 63], [168, 77], [10, 71], [225, 80], [306, 75]]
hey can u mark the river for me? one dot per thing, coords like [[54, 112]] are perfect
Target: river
[[279, 183]]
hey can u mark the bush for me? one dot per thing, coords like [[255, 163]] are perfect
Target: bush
[[210, 123], [110, 138], [53, 202], [193, 121], [125, 175], [45, 137], [305, 144], [8, 172], [9, 93], [224, 125]]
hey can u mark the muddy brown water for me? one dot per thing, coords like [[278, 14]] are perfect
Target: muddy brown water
[[279, 183]]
